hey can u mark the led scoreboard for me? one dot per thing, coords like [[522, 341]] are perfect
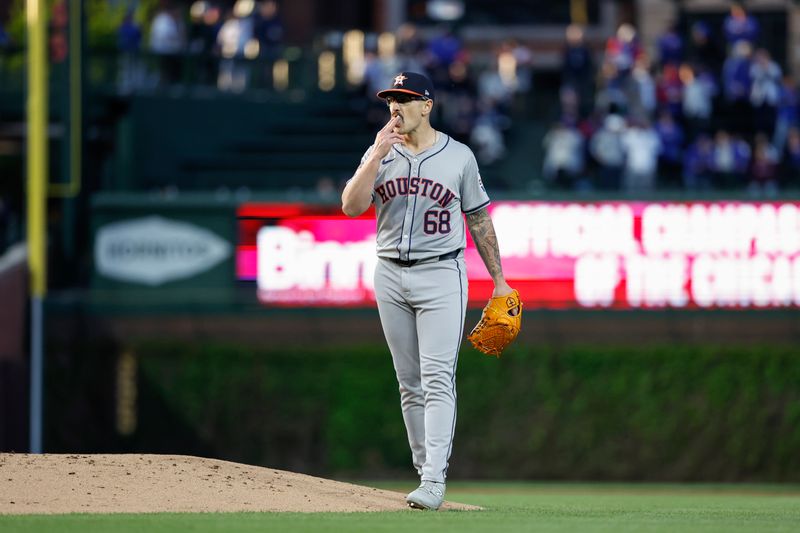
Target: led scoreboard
[[623, 255]]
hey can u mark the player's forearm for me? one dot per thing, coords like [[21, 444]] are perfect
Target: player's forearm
[[357, 194], [482, 231]]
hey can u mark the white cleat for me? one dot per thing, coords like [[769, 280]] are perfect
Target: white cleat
[[428, 496]]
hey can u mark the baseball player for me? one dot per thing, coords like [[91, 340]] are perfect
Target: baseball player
[[421, 181]]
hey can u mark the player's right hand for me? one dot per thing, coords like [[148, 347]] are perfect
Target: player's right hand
[[386, 137]]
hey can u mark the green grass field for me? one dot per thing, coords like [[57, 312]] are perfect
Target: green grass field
[[510, 507]]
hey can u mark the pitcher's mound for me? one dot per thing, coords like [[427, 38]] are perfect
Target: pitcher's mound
[[52, 483]]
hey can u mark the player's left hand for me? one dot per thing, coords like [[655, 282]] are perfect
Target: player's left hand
[[502, 289]]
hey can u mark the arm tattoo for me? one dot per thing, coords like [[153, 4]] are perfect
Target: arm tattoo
[[482, 230]]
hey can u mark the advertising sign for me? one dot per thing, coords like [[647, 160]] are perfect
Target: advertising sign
[[154, 250], [622, 255]]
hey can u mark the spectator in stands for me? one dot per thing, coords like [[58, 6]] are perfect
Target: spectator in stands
[[703, 50], [494, 88], [564, 157], [129, 34], [487, 135], [670, 90], [699, 91], [410, 49], [765, 91], [736, 85], [408, 40], [642, 146], [228, 40], [739, 26], [764, 174], [576, 67], [129, 40], [608, 151], [611, 96], [409, 53], [731, 161], [444, 48], [670, 157], [698, 164], [269, 29], [235, 40], [167, 40], [641, 90], [622, 49], [670, 47], [195, 42], [459, 79], [205, 23], [460, 107], [523, 57]]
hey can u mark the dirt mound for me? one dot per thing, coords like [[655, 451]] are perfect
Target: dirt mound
[[52, 483]]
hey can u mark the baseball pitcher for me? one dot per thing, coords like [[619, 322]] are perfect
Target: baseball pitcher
[[421, 182]]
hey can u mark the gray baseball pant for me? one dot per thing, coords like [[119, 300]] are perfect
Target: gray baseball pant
[[422, 310]]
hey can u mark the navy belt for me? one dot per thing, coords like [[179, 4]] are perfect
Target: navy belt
[[412, 262]]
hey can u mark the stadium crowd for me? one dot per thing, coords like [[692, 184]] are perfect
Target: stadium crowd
[[706, 108], [223, 38], [707, 112], [476, 99]]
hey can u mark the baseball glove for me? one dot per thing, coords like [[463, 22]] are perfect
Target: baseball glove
[[499, 324]]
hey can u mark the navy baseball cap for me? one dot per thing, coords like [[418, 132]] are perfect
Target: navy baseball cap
[[410, 83]]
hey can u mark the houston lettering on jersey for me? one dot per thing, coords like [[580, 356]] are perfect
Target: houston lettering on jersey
[[415, 186]]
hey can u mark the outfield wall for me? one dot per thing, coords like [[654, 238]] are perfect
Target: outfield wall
[[169, 352], [660, 413]]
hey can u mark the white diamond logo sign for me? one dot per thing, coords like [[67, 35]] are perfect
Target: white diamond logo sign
[[156, 250]]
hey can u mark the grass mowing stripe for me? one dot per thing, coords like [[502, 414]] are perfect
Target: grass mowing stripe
[[511, 507]]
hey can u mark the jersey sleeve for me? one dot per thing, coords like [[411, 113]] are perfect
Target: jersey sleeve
[[366, 156], [473, 193], [361, 163]]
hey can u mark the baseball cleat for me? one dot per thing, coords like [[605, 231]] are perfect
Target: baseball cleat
[[428, 496]]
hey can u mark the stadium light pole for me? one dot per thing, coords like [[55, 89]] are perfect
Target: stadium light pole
[[37, 164]]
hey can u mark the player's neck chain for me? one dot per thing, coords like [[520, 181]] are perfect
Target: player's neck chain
[[427, 147]]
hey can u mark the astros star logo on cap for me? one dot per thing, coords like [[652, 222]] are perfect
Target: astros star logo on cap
[[399, 79]]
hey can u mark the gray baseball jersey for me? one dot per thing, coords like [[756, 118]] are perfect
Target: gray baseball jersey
[[419, 199]]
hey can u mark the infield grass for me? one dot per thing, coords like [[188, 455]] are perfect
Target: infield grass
[[508, 507]]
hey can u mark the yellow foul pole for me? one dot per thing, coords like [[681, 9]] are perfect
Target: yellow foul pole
[[37, 164], [37, 143]]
